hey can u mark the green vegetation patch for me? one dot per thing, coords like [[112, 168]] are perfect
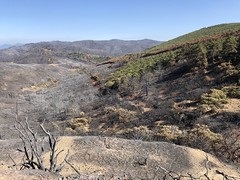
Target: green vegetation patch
[[213, 100], [138, 67], [232, 92], [197, 54], [202, 137], [78, 56]]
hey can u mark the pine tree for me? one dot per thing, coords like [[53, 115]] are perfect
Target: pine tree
[[238, 52], [199, 55], [214, 50], [230, 46]]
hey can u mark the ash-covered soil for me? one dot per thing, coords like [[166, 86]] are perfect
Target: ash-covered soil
[[116, 158], [45, 91]]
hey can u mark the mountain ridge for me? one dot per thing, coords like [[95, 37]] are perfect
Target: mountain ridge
[[43, 52]]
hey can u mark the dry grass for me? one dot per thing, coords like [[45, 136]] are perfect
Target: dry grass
[[47, 84]]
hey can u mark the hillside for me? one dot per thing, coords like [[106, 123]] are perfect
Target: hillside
[[203, 34], [199, 48], [179, 95], [186, 87]]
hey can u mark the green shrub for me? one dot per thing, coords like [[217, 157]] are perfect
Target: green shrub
[[201, 137], [170, 133], [79, 124], [213, 100], [232, 92]]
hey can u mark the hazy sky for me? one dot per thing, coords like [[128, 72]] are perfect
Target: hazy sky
[[24, 21]]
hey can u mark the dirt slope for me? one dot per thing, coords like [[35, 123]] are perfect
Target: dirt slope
[[114, 158]]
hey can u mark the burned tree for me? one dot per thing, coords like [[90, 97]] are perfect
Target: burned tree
[[34, 148]]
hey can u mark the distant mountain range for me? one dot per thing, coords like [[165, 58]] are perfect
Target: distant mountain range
[[44, 51], [5, 46]]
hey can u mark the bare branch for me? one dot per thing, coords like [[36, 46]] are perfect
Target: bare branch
[[59, 168], [14, 163], [33, 149], [75, 169]]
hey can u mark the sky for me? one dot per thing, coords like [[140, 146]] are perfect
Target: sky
[[24, 21]]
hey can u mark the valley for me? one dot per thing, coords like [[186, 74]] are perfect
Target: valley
[[161, 108]]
